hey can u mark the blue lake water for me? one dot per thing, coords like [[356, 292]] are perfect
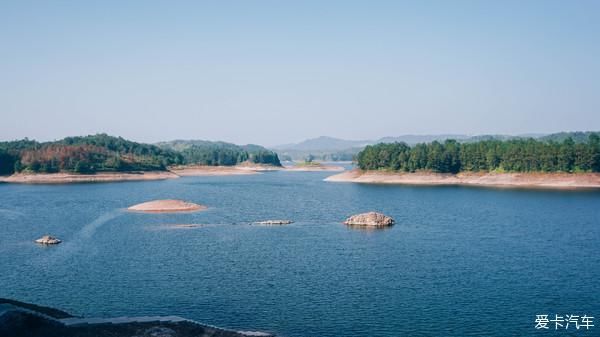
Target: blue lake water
[[460, 261]]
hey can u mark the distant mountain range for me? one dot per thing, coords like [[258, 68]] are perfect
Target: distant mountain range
[[330, 148], [324, 143]]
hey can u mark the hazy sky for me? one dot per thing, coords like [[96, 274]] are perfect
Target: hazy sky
[[272, 72]]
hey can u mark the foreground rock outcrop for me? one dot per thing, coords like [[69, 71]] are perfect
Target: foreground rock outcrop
[[23, 319], [370, 219], [48, 240], [166, 206]]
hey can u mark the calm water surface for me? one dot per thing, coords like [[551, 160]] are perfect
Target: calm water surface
[[460, 261]]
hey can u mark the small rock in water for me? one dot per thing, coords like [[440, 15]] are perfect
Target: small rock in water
[[370, 219], [48, 240], [274, 222]]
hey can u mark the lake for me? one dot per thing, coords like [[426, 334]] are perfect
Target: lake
[[460, 260]]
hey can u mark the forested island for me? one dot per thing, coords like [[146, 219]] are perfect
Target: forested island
[[503, 163], [518, 155], [103, 153]]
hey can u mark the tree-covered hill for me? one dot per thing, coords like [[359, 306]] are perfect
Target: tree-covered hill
[[516, 155], [577, 136], [89, 154], [104, 153], [221, 153]]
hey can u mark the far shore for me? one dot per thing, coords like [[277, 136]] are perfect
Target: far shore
[[204, 170], [173, 172], [246, 169], [317, 167], [509, 180], [240, 169], [63, 177]]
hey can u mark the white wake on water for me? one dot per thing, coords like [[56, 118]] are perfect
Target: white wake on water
[[77, 241]]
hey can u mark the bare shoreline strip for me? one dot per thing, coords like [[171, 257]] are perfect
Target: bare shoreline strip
[[245, 169], [173, 173], [203, 170], [509, 180], [63, 178]]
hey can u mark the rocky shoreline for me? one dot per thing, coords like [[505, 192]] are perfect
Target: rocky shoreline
[[65, 178], [508, 180]]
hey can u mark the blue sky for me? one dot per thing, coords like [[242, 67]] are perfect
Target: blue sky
[[273, 72]]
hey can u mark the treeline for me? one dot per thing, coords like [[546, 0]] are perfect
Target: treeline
[[104, 153], [221, 153], [227, 157], [518, 155], [341, 155], [88, 154]]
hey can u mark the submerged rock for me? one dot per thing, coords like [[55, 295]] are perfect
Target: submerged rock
[[48, 240], [179, 226], [274, 222], [166, 206], [255, 334], [370, 219]]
